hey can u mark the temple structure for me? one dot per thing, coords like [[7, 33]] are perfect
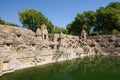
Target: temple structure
[[21, 48]]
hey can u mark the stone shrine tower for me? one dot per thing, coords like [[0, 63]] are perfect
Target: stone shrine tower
[[83, 35], [42, 33], [39, 34]]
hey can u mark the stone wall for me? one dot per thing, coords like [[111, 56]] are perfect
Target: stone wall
[[110, 44], [25, 48]]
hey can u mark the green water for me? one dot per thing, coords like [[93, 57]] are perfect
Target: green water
[[89, 68]]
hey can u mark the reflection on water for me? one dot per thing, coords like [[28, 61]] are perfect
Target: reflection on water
[[88, 68]]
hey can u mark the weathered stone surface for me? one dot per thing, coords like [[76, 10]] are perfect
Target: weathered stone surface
[[109, 44], [20, 48]]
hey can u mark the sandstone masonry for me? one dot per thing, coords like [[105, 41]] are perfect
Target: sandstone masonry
[[21, 48]]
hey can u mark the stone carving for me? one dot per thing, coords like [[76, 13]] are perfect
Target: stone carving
[[24, 48], [83, 35], [42, 33], [39, 34]]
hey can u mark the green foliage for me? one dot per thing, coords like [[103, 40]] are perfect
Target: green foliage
[[11, 24], [2, 21], [115, 5], [103, 21], [115, 31], [32, 19], [81, 21], [68, 28], [59, 29], [108, 18]]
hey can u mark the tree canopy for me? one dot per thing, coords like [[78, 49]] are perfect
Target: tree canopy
[[105, 20], [81, 21], [108, 18], [59, 29], [3, 22], [32, 19]]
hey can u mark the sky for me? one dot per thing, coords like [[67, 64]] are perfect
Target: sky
[[59, 12]]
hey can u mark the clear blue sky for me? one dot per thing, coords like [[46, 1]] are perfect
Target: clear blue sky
[[60, 12]]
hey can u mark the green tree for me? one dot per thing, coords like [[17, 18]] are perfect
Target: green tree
[[108, 18], [32, 19], [11, 24], [81, 21], [59, 29], [115, 31], [2, 21], [115, 5], [91, 18], [68, 28], [76, 26], [103, 21]]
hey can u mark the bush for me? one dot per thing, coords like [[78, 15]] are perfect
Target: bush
[[115, 31]]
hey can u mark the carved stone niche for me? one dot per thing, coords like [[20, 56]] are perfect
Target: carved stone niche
[[5, 65], [8, 43], [60, 37], [32, 45], [6, 62], [51, 37], [103, 44], [117, 43], [99, 39], [92, 45], [18, 33], [20, 48], [112, 39], [52, 46]]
